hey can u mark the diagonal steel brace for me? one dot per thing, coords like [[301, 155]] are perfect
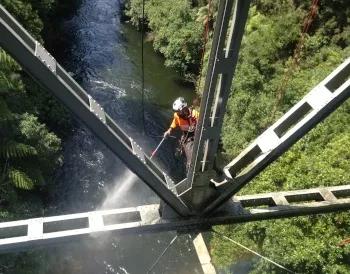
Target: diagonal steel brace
[[48, 73]]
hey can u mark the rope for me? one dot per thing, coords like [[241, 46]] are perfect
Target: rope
[[143, 69], [205, 35], [344, 242], [162, 254], [252, 251], [297, 54]]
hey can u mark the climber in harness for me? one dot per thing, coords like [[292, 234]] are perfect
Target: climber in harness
[[186, 119]]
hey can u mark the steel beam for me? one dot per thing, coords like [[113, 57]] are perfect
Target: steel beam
[[25, 234], [228, 33], [48, 73], [203, 254], [299, 120]]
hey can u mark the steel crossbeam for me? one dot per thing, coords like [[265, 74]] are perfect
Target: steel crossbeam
[[47, 72], [24, 234], [311, 110], [299, 120], [228, 33]]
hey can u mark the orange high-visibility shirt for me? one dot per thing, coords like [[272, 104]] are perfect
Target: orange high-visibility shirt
[[185, 124]]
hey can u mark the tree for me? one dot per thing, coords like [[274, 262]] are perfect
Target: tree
[[322, 157], [178, 38], [29, 152]]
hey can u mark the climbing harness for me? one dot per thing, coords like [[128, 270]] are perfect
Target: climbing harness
[[189, 133], [185, 145]]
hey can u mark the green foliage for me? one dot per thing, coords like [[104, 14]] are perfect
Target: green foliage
[[133, 9], [38, 135], [178, 38], [12, 149], [29, 150], [265, 57], [321, 158], [304, 244], [48, 109], [7, 62], [20, 179], [24, 12], [22, 137], [42, 6], [5, 113], [9, 76]]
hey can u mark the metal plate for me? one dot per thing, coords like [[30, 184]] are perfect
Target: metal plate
[[45, 57], [170, 183], [97, 109], [137, 150]]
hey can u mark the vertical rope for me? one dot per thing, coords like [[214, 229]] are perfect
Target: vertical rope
[[162, 254]]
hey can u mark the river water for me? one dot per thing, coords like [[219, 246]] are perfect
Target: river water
[[104, 56]]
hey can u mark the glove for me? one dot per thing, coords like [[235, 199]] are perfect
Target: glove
[[167, 133]]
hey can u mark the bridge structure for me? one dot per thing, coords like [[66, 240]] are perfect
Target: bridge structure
[[199, 201]]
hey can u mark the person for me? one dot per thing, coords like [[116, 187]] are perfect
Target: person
[[186, 119]]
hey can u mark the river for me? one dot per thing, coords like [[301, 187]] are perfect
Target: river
[[104, 56]]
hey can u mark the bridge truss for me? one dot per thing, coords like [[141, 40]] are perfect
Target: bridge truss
[[193, 204]]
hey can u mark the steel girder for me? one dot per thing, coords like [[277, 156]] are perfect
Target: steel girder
[[228, 33], [312, 109], [25, 234], [321, 101], [48, 73]]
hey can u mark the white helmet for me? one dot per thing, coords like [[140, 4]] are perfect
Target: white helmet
[[179, 104]]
